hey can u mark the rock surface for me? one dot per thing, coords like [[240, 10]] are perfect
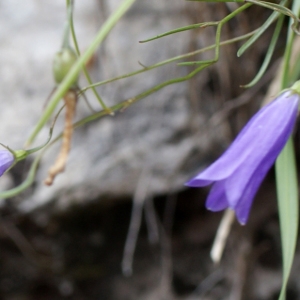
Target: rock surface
[[159, 142]]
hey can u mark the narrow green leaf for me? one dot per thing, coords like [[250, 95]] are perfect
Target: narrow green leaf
[[260, 31], [287, 191], [193, 26], [286, 176], [218, 35], [295, 70], [269, 54], [282, 9]]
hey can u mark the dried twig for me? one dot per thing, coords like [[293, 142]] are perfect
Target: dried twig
[[70, 102], [139, 198]]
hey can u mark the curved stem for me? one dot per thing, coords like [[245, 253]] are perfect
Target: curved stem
[[69, 79], [86, 74]]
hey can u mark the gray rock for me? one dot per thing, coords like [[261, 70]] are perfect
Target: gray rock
[[163, 135]]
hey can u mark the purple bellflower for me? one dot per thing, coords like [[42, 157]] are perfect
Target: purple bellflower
[[238, 173], [6, 160]]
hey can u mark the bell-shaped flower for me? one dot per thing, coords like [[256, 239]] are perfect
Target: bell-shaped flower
[[6, 160], [238, 173]]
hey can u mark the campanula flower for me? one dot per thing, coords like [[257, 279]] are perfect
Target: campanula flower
[[238, 173], [6, 160]]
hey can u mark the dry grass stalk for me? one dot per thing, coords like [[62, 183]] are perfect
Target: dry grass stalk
[[59, 166]]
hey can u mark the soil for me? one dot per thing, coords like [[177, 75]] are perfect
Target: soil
[[77, 254]]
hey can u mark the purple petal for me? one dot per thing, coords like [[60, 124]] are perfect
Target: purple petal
[[194, 182], [267, 150], [244, 204], [238, 173], [6, 160], [216, 199], [254, 140]]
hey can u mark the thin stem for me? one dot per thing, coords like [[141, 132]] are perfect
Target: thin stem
[[218, 36], [189, 27], [69, 79], [86, 74], [173, 59]]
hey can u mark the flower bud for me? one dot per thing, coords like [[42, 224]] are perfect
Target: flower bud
[[62, 63]]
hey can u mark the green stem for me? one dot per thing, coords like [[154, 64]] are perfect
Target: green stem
[[69, 79], [66, 35], [269, 54], [173, 59], [260, 31], [218, 36], [286, 60], [286, 178], [86, 74], [189, 27]]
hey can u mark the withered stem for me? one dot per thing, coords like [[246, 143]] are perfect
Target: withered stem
[[70, 102]]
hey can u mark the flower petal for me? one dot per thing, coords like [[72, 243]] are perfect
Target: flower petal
[[244, 204], [6, 160], [216, 199], [267, 151], [254, 140], [194, 182]]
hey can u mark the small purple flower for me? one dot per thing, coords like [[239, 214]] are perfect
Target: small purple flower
[[238, 173], [6, 160]]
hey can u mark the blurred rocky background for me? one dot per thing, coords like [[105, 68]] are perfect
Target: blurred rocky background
[[66, 241], [170, 132]]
